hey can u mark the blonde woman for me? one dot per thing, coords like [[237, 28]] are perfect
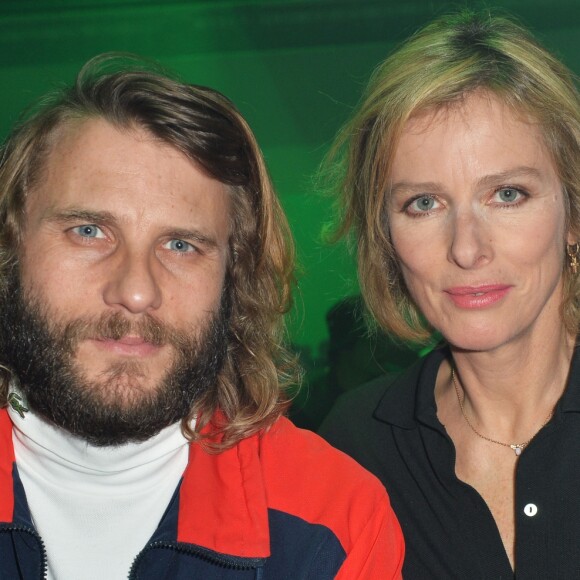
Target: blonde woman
[[461, 187]]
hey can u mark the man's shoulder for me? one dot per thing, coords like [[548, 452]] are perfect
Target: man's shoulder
[[307, 477], [286, 447], [288, 493]]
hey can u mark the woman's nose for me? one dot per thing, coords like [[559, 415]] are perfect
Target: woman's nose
[[470, 244]]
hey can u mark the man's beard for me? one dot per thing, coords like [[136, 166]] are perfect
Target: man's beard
[[114, 408]]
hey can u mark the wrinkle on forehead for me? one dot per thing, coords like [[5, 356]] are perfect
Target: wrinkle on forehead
[[450, 117], [424, 119], [69, 132], [88, 170]]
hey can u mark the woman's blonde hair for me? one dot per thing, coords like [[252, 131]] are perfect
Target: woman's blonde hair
[[203, 124], [441, 64]]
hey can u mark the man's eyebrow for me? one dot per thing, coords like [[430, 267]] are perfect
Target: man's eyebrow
[[74, 214], [193, 235], [107, 218]]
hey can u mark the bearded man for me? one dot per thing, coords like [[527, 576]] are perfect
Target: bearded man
[[145, 268]]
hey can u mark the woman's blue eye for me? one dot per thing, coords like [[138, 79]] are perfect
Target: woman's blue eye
[[422, 204], [179, 246], [508, 194], [89, 231]]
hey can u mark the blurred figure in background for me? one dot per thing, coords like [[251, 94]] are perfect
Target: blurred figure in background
[[354, 354]]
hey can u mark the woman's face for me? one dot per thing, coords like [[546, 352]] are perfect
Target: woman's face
[[477, 221]]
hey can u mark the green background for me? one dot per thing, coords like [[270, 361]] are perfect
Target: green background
[[294, 68]]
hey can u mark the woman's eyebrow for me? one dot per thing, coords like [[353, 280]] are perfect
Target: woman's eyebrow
[[504, 177], [415, 187], [487, 180]]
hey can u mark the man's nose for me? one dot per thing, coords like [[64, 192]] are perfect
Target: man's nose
[[132, 283]]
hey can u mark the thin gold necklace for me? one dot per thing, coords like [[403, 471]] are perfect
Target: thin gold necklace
[[517, 447]]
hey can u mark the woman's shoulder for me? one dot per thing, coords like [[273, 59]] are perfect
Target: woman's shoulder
[[360, 403], [393, 388], [363, 416]]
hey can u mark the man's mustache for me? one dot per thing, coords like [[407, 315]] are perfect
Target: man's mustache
[[115, 326]]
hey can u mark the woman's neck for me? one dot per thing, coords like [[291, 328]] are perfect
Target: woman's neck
[[511, 390]]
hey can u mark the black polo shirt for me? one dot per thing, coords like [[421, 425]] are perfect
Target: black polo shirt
[[390, 426]]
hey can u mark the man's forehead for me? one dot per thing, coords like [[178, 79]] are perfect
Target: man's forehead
[[94, 166], [95, 144], [95, 131]]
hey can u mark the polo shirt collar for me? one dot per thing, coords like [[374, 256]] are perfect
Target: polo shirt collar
[[404, 405], [570, 401]]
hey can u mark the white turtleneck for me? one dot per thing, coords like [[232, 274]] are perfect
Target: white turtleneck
[[95, 507]]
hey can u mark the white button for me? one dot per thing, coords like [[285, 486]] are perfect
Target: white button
[[531, 510]]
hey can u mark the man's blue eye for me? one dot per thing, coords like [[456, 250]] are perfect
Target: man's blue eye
[[179, 246], [89, 231]]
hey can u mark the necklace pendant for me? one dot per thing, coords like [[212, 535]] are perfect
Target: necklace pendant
[[517, 449]]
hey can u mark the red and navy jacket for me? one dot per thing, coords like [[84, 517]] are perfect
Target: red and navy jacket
[[282, 504]]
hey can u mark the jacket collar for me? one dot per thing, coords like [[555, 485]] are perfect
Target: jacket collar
[[222, 501]]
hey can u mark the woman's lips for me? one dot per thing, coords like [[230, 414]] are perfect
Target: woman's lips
[[473, 297]]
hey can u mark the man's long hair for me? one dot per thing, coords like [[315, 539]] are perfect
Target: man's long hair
[[204, 125]]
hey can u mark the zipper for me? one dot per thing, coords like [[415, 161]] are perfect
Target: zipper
[[36, 536], [222, 560]]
